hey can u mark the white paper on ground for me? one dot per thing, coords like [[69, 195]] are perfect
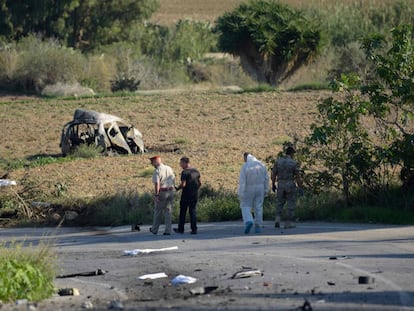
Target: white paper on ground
[[7, 182], [182, 279], [153, 276], [135, 252]]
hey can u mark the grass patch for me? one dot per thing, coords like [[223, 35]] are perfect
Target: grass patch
[[26, 273], [310, 87], [119, 209], [281, 140], [147, 172], [261, 88], [32, 162], [87, 151], [181, 141]]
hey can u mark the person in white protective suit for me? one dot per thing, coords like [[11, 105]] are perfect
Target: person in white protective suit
[[253, 186]]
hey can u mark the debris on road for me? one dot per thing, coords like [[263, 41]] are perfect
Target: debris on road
[[330, 283], [87, 305], [306, 306], [136, 252], [68, 292], [153, 276], [182, 279], [91, 273], [115, 304], [338, 257], [202, 290], [365, 280], [247, 274]]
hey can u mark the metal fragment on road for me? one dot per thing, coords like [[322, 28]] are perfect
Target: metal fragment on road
[[365, 279], [153, 276], [202, 290], [247, 274], [68, 292], [338, 257], [87, 305], [115, 304], [91, 273], [330, 283]]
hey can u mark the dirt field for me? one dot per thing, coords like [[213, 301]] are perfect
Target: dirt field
[[212, 128], [171, 11]]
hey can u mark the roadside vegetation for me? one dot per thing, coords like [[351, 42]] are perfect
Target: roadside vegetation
[[26, 272]]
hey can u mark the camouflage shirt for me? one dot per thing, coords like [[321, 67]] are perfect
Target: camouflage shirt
[[286, 169]]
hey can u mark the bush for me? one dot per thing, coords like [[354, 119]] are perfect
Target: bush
[[87, 151], [42, 63], [120, 209], [26, 273]]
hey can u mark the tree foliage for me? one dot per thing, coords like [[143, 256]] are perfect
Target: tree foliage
[[272, 39], [367, 126], [81, 23]]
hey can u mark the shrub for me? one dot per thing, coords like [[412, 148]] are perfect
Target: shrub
[[119, 209], [46, 62], [87, 151], [26, 273]]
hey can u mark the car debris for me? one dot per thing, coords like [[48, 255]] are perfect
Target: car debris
[[68, 292], [330, 283], [7, 182], [183, 279], [338, 257], [247, 274], [306, 306], [153, 276], [116, 305], [202, 290], [91, 273], [111, 133], [136, 252], [365, 279], [87, 305]]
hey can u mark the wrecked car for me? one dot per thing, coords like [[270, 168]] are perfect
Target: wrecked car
[[110, 132]]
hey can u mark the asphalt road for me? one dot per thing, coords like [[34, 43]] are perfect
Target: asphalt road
[[298, 265]]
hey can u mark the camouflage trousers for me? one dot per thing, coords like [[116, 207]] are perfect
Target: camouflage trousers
[[286, 194]]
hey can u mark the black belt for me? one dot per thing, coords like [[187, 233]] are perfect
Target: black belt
[[167, 189]]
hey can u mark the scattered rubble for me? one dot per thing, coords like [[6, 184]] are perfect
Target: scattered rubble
[[91, 273], [68, 292], [365, 280], [247, 274], [153, 276], [136, 252], [202, 290], [183, 279]]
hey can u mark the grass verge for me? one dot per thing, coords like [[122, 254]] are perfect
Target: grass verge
[[26, 273]]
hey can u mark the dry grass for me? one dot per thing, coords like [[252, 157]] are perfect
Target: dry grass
[[217, 128], [173, 10]]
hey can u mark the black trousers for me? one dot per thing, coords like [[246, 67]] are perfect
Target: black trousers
[[191, 206]]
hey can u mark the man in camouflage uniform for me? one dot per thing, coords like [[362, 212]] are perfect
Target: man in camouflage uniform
[[286, 171]]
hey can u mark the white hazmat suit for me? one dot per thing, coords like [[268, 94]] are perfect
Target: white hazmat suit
[[253, 185]]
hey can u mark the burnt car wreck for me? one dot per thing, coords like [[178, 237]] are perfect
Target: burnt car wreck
[[111, 133]]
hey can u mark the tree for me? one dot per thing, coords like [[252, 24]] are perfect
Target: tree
[[367, 125], [80, 23], [272, 39], [391, 94]]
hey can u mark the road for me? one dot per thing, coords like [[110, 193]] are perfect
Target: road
[[297, 264]]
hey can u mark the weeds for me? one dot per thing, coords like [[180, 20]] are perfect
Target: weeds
[[26, 273]]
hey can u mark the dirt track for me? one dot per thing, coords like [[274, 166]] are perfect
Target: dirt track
[[296, 266]]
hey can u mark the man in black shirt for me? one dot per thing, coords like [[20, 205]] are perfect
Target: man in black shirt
[[190, 183]]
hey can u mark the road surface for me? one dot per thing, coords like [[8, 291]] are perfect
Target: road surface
[[316, 262]]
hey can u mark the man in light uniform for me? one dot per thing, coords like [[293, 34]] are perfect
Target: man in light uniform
[[163, 180], [286, 170], [253, 185]]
